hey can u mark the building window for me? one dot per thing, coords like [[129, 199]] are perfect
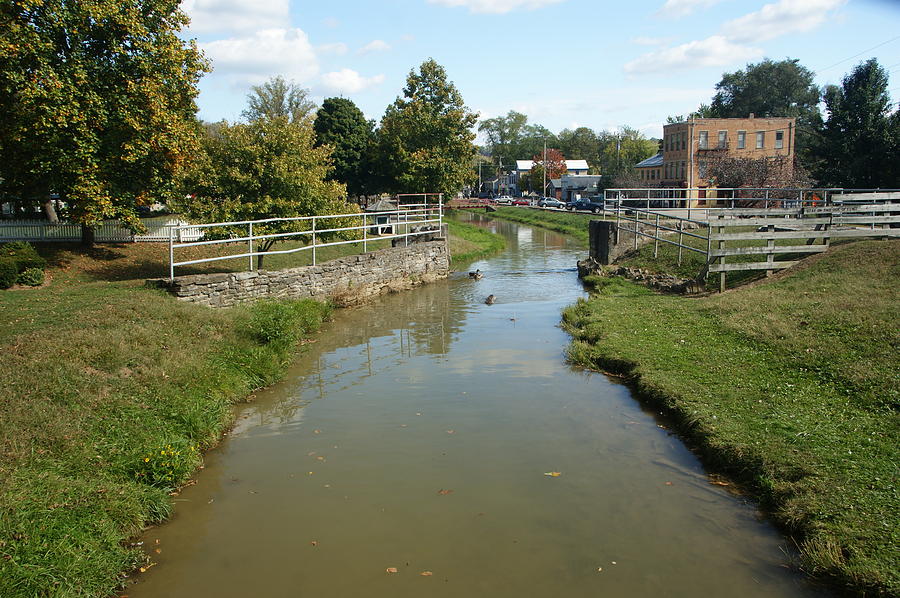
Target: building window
[[704, 139], [779, 139], [681, 170], [760, 139], [723, 139], [742, 139], [683, 139]]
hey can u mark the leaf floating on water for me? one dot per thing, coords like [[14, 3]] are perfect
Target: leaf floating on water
[[443, 492], [669, 484], [552, 474], [451, 431], [314, 543], [320, 458], [391, 569], [317, 431], [310, 453], [426, 573]]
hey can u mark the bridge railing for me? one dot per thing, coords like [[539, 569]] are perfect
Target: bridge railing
[[316, 232]]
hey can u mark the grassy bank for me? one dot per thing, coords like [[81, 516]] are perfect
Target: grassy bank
[[790, 387], [110, 393], [468, 242], [573, 224]]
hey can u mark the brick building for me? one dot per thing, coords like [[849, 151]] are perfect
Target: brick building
[[687, 147]]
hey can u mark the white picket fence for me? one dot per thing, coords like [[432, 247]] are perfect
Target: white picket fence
[[110, 231]]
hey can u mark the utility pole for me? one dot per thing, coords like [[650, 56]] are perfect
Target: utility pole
[[479, 173], [544, 188]]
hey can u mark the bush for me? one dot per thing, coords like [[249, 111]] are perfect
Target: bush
[[23, 255], [9, 272], [284, 322], [32, 277]]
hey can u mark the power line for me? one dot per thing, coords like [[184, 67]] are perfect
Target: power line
[[856, 55]]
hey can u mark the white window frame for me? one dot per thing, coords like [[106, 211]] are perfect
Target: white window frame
[[760, 140], [722, 140], [742, 139], [779, 139], [703, 139]]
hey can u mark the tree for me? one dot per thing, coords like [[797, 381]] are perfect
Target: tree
[[425, 138], [98, 104], [341, 124], [504, 135], [704, 111], [555, 167], [279, 98], [861, 138], [621, 151], [777, 172], [773, 89], [268, 168], [580, 144]]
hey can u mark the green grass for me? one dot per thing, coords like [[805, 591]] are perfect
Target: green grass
[[791, 387], [469, 243], [110, 393], [573, 224]]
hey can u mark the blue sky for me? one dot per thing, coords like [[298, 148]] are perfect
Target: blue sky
[[564, 63]]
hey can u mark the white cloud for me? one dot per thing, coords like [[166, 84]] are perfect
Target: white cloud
[[338, 48], [780, 18], [716, 50], [650, 41], [496, 6], [375, 45], [349, 81], [331, 22], [236, 15], [682, 8], [254, 58]]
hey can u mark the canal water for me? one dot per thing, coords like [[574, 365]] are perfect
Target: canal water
[[407, 453]]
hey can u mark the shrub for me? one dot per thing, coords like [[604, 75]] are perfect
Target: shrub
[[9, 272], [284, 322], [23, 255], [32, 277]]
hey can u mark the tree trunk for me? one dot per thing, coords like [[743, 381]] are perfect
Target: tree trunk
[[87, 236], [50, 210]]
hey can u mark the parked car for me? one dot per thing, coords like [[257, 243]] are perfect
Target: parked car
[[505, 199], [591, 204], [550, 202], [519, 202]]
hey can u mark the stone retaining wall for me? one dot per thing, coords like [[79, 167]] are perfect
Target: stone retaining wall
[[348, 280]]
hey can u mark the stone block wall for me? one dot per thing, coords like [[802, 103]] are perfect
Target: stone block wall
[[347, 281]]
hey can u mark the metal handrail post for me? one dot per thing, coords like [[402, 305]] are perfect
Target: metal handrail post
[[314, 242], [365, 235], [618, 207], [656, 238], [680, 240], [250, 243], [171, 255]]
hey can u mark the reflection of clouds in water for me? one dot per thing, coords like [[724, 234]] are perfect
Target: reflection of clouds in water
[[520, 363], [523, 235]]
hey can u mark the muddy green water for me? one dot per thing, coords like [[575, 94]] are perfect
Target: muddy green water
[[416, 434]]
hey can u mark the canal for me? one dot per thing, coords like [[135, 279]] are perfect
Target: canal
[[423, 434]]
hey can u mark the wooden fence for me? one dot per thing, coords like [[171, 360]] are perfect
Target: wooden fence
[[109, 232], [754, 235]]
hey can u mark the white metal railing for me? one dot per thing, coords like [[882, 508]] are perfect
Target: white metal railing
[[409, 220]]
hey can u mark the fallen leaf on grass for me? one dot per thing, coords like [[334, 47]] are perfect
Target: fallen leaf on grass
[[443, 492], [391, 569], [552, 474]]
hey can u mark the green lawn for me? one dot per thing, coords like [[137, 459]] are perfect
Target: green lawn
[[791, 386]]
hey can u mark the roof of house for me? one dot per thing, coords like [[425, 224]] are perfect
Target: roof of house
[[656, 160], [527, 165], [382, 205]]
